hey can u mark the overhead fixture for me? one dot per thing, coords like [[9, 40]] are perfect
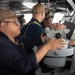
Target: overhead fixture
[[71, 2]]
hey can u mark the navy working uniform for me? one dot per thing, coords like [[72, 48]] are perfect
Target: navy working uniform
[[33, 31], [14, 59]]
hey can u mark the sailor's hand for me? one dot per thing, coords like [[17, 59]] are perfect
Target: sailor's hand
[[58, 26], [54, 44], [72, 42]]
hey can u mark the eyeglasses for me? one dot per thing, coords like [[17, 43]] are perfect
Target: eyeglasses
[[16, 22]]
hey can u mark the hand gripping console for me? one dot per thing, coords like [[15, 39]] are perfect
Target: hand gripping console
[[57, 58]]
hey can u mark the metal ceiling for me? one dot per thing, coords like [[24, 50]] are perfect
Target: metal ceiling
[[21, 6], [12, 5], [17, 5]]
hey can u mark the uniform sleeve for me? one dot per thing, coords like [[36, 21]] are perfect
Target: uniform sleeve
[[15, 60]]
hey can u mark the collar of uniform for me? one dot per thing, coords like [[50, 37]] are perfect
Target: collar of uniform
[[3, 35], [33, 19]]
